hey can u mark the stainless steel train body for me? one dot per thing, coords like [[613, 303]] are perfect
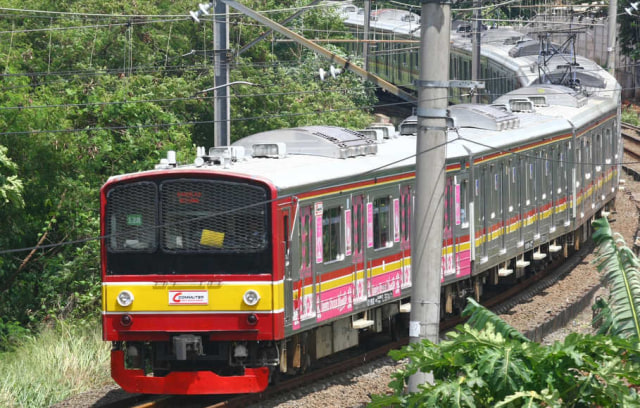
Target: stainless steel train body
[[509, 59]]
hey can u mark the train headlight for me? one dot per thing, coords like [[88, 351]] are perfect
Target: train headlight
[[125, 298], [251, 297]]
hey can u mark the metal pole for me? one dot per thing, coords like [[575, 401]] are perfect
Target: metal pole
[[475, 53], [221, 110], [338, 60], [426, 250], [269, 32], [367, 24], [613, 29]]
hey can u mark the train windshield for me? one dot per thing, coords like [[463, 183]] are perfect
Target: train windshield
[[187, 226]]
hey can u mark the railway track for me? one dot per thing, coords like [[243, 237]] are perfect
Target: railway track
[[631, 139]]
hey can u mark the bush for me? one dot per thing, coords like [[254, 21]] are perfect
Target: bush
[[61, 361]]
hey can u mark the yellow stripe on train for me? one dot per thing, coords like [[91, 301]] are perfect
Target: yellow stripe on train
[[192, 297]]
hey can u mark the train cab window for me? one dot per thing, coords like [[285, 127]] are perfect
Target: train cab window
[[331, 234], [381, 222]]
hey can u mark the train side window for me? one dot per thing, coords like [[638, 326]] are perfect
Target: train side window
[[357, 228], [513, 190], [305, 241], [508, 188], [448, 208], [464, 222], [586, 160], [405, 203], [597, 152], [614, 144], [331, 234], [544, 181], [381, 222], [529, 181], [607, 146]]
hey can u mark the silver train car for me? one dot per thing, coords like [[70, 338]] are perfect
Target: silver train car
[[509, 59]]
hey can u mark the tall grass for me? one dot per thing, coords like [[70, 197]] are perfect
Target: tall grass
[[58, 363]]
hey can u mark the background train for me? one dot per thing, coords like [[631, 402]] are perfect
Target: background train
[[261, 257], [509, 59]]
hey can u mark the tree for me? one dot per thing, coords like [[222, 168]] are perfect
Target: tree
[[90, 91]]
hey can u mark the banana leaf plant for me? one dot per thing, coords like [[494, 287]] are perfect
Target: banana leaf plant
[[620, 313]]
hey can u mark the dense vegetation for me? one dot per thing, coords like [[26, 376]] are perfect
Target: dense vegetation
[[87, 93], [487, 363]]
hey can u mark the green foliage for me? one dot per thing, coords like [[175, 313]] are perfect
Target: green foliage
[[65, 359], [630, 116], [628, 32], [10, 186], [493, 367], [480, 317], [620, 267], [84, 97]]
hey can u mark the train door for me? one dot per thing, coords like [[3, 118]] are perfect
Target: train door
[[406, 217], [555, 189], [461, 224], [598, 166], [358, 215], [511, 208], [302, 278], [448, 251], [546, 196], [608, 160], [493, 205], [581, 178], [537, 193], [284, 253], [566, 195], [590, 182], [479, 216], [528, 207]]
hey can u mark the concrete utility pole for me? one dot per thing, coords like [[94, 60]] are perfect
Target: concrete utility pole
[[613, 30], [426, 252], [221, 109]]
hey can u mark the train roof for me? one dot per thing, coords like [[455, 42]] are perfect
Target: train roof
[[505, 46], [325, 156]]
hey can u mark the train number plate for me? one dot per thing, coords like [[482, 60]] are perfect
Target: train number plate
[[188, 297]]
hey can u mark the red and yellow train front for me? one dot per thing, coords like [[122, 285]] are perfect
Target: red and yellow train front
[[190, 302]]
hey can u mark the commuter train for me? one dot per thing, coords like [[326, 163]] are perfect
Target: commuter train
[[508, 58], [261, 257]]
